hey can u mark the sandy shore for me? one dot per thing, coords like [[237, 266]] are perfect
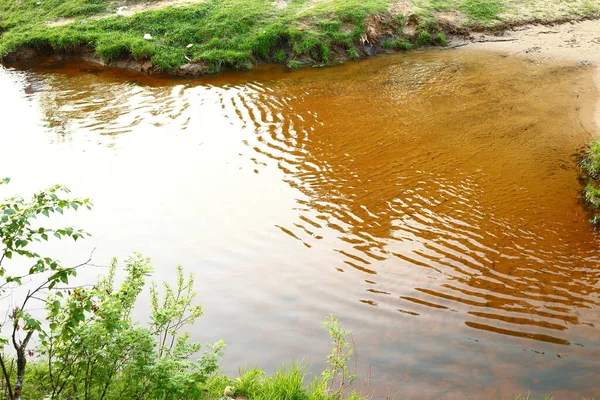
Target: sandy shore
[[576, 41]]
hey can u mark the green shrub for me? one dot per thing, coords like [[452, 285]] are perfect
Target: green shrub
[[103, 353], [441, 39], [353, 53], [400, 19], [424, 38]]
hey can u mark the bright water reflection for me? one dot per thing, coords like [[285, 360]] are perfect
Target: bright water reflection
[[430, 201]]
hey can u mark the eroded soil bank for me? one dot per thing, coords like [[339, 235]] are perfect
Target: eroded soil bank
[[577, 40], [192, 38]]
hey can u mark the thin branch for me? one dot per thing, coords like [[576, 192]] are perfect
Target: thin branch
[[27, 338], [6, 377], [71, 287]]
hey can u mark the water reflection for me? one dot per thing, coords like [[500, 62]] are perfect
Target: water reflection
[[443, 184]]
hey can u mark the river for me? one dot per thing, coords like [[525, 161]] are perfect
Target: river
[[429, 200]]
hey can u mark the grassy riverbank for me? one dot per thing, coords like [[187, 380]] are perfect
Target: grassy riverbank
[[205, 36]]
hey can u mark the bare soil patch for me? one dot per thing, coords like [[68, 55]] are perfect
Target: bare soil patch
[[577, 41]]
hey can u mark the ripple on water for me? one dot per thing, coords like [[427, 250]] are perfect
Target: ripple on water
[[443, 187]]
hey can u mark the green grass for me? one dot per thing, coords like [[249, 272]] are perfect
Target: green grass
[[591, 162], [292, 382], [481, 10], [399, 44], [478, 12], [30, 13], [238, 34], [224, 33], [592, 194], [591, 166]]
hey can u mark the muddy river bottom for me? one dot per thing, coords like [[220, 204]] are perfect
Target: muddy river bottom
[[430, 201]]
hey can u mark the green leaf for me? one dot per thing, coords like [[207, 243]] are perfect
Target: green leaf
[[8, 254], [46, 213]]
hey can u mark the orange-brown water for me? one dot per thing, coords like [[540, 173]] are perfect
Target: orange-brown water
[[430, 201]]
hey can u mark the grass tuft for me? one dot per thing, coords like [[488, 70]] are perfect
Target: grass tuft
[[591, 162]]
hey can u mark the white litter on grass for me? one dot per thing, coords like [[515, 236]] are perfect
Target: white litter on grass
[[120, 10], [148, 36], [189, 46], [187, 58]]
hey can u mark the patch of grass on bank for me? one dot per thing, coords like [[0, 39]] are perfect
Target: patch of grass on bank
[[480, 12], [592, 194], [34, 12], [222, 33], [591, 167], [591, 162], [289, 382]]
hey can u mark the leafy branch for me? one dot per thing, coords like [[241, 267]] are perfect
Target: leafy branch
[[17, 232]]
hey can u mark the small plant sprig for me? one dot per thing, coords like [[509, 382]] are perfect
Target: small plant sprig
[[337, 370]]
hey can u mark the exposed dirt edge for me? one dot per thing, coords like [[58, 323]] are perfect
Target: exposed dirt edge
[[371, 44], [505, 26]]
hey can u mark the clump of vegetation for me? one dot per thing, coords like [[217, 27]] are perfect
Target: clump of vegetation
[[591, 166], [289, 381], [398, 45], [280, 56], [424, 38], [89, 347], [294, 64], [591, 160], [441, 39], [592, 194], [353, 53]]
